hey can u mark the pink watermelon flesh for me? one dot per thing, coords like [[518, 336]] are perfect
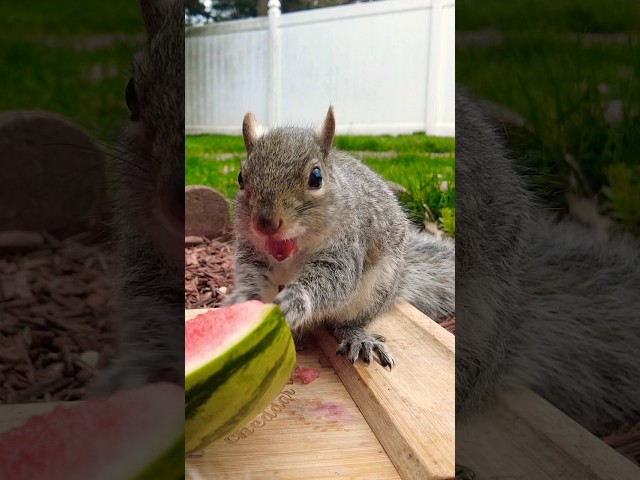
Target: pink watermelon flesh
[[305, 375], [215, 330], [107, 438]]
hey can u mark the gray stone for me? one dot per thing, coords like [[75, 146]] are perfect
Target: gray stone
[[207, 213], [501, 114], [53, 174], [396, 188], [90, 357]]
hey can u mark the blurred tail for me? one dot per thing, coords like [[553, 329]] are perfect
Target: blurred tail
[[429, 280]]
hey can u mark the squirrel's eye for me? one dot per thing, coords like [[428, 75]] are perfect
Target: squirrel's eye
[[240, 181], [315, 179], [132, 100]]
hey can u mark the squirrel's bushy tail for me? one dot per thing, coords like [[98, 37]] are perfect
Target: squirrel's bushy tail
[[429, 280], [578, 330]]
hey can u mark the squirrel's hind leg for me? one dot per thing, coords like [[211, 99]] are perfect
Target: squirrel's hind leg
[[357, 343]]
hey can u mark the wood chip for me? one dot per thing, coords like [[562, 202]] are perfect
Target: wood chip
[[56, 305], [8, 354], [208, 273], [51, 386]]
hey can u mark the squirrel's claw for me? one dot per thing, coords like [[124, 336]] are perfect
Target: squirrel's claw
[[384, 357], [358, 344]]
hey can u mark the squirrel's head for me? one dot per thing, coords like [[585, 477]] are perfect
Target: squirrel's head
[[286, 196], [152, 170]]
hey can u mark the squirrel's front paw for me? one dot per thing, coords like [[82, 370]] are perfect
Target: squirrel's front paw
[[356, 343], [295, 305]]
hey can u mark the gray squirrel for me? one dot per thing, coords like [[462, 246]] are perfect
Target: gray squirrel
[[321, 235], [149, 211], [541, 303]]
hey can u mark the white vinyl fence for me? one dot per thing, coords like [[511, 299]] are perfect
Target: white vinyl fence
[[387, 67]]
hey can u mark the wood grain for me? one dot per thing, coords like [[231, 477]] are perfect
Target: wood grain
[[319, 434], [523, 436], [411, 409]]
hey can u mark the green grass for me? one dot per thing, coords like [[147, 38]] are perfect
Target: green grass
[[560, 84], [71, 17], [422, 165], [203, 145], [551, 15], [422, 176], [207, 145], [219, 174], [401, 143], [46, 71]]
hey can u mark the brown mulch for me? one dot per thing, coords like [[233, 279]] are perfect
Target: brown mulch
[[207, 272], [55, 327]]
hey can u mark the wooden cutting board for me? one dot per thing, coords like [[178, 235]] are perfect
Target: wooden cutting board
[[354, 421]]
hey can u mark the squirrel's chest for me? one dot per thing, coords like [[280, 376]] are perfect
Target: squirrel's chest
[[280, 274], [283, 272]]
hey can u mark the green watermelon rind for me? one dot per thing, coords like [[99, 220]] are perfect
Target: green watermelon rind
[[168, 466], [254, 370]]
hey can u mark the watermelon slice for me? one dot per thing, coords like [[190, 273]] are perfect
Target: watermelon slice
[[237, 360], [134, 434], [305, 375]]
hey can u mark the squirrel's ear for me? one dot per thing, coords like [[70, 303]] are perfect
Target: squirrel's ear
[[328, 130], [251, 131], [153, 14]]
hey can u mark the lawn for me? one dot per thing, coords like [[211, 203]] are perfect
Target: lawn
[[423, 165], [71, 58], [593, 16], [564, 67]]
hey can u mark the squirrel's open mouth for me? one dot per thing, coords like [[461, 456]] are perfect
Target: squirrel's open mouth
[[282, 249]]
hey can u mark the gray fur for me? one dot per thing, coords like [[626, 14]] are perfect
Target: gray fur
[[541, 304], [357, 252], [428, 281], [150, 207]]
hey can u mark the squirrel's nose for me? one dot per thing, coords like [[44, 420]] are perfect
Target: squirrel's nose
[[268, 226]]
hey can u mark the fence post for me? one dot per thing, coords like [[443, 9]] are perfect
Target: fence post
[[433, 74], [273, 104]]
